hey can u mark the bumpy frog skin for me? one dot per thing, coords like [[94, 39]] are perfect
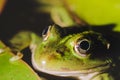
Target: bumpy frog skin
[[63, 53]]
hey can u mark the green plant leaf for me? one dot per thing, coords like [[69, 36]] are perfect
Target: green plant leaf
[[13, 68]]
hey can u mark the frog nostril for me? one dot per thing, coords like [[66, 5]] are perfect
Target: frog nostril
[[61, 52]]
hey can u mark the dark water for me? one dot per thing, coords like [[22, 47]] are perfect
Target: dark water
[[21, 15]]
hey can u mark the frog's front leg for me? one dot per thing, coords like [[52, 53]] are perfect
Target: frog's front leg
[[22, 40]]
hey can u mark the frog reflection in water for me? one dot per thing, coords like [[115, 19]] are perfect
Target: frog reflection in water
[[77, 54]]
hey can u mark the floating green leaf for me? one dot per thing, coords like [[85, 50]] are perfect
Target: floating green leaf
[[97, 12], [14, 69]]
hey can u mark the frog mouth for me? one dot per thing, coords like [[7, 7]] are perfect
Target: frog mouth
[[94, 69]]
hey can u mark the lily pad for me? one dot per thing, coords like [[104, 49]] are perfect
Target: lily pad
[[14, 69]]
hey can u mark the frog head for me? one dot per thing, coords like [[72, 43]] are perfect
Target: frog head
[[62, 52]]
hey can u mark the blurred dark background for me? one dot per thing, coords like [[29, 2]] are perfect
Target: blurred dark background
[[21, 15]]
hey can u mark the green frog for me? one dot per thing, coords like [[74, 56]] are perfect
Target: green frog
[[68, 52]]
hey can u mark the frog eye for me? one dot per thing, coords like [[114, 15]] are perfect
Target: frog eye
[[46, 33], [82, 46]]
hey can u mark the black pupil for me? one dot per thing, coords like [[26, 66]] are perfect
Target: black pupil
[[84, 45]]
